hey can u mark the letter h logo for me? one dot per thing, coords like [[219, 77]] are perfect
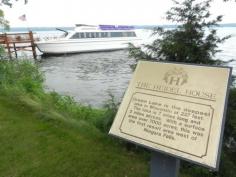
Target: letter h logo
[[176, 76]]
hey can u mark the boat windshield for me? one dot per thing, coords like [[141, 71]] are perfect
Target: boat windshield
[[63, 35]]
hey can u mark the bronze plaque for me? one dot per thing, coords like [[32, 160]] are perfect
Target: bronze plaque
[[176, 109]]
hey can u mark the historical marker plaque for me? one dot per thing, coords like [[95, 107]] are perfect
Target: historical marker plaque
[[178, 109]]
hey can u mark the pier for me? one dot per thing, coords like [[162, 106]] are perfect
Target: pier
[[13, 42]]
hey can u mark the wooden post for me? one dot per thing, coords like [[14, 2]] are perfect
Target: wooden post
[[15, 50], [163, 165], [32, 44], [8, 46]]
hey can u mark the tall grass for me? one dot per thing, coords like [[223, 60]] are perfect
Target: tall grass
[[20, 76], [23, 80], [50, 135]]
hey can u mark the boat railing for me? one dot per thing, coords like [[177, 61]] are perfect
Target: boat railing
[[48, 37]]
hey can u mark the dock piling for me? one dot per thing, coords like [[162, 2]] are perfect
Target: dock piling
[[14, 42]]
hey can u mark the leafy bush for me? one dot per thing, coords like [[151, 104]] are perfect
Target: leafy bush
[[67, 105], [23, 76], [22, 79], [104, 122], [195, 40]]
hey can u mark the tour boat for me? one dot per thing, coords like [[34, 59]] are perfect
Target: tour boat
[[88, 38]]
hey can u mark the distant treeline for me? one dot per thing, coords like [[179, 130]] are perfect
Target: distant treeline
[[25, 29], [174, 26]]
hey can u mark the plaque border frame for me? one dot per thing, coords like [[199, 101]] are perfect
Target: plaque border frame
[[229, 81]]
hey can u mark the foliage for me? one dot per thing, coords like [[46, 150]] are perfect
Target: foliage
[[20, 78], [2, 52], [230, 131], [110, 107], [69, 107], [10, 2], [3, 22], [46, 134], [23, 76], [5, 25], [194, 40]]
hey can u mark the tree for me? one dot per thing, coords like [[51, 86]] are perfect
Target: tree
[[10, 3], [5, 25], [194, 40], [3, 22]]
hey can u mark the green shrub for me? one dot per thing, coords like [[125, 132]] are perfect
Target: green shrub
[[110, 108], [23, 79], [195, 40], [23, 76], [67, 105]]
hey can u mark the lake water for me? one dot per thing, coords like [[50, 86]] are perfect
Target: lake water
[[90, 77]]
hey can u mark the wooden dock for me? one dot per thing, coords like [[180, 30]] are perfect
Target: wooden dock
[[13, 42]]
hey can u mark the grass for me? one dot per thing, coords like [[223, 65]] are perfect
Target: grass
[[48, 135], [41, 144]]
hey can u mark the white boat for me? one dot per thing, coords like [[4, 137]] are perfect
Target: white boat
[[88, 38]]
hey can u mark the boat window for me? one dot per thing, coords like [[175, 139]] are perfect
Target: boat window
[[75, 36], [82, 35], [97, 35], [92, 35], [133, 34], [130, 34], [87, 35], [116, 34], [125, 34], [104, 34], [78, 36]]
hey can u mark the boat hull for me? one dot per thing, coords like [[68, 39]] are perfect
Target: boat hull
[[77, 46]]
